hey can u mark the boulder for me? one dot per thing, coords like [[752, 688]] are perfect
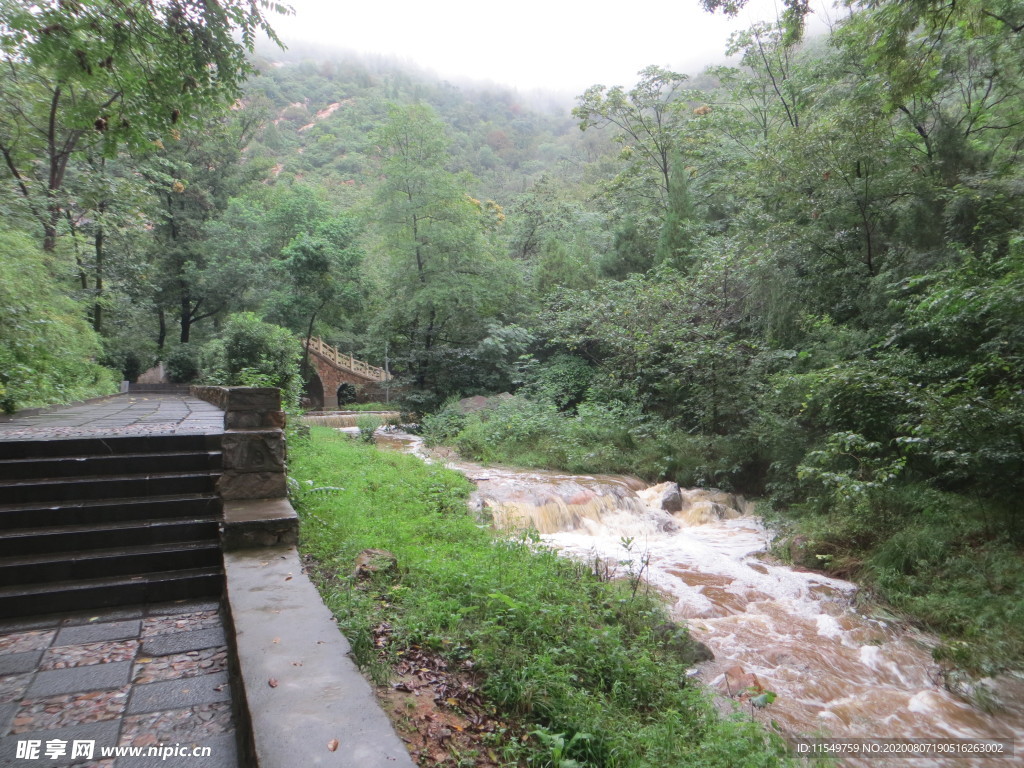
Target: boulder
[[371, 562], [739, 682], [664, 496]]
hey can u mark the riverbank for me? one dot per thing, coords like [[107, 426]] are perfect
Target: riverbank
[[948, 563], [527, 658]]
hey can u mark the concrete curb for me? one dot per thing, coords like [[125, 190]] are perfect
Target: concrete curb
[[298, 682]]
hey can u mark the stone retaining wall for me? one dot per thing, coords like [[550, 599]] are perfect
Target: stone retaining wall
[[253, 481]]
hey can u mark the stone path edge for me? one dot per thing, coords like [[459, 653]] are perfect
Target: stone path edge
[[307, 702], [5, 417]]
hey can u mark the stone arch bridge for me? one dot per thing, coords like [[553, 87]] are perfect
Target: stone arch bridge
[[332, 371]]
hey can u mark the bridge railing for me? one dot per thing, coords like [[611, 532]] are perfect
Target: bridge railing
[[336, 356]]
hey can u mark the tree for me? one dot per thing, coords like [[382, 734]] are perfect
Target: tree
[[649, 118], [441, 278], [101, 74], [321, 277], [194, 178]]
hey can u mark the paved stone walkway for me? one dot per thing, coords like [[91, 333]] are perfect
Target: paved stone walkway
[[125, 415], [146, 676]]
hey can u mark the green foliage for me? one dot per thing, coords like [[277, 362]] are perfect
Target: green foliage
[[253, 353], [93, 75], [575, 660], [368, 426], [182, 364], [47, 351], [442, 281]]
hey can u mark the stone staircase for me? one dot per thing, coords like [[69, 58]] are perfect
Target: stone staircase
[[92, 523]]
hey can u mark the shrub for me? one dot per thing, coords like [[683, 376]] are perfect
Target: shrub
[[182, 364], [255, 354]]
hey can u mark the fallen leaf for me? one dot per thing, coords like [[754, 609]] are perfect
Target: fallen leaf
[[272, 682], [333, 745]]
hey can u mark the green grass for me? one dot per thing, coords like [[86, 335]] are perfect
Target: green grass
[[560, 651], [944, 561]]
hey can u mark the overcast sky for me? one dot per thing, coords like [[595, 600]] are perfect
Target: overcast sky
[[561, 45]]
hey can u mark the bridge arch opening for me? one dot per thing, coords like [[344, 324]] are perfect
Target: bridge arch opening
[[346, 393], [313, 391]]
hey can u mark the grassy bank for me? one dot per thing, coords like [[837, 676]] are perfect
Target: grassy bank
[[938, 559], [563, 666]]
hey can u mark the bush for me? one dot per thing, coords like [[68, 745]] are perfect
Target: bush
[[252, 353], [182, 364]]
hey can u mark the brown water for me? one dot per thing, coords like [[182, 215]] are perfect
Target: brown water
[[837, 670]]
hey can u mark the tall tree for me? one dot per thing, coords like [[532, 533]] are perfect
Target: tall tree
[[648, 118], [440, 274]]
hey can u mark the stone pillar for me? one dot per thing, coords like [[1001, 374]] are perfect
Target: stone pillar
[[252, 464], [252, 447], [253, 481]]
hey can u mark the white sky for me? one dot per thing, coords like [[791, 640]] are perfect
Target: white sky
[[558, 45]]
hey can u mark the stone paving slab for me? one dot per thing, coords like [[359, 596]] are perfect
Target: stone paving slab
[[103, 734], [111, 692], [109, 614], [126, 415], [97, 677], [179, 694], [14, 663], [94, 633], [179, 642]]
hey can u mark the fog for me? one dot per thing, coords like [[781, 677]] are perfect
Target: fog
[[555, 45]]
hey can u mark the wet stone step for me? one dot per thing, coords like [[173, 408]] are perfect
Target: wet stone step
[[86, 466], [81, 488], [107, 446], [75, 538], [120, 561], [77, 512], [82, 594]]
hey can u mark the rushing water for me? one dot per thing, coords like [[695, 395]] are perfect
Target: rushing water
[[837, 671]]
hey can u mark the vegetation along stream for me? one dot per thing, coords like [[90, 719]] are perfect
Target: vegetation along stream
[[839, 666]]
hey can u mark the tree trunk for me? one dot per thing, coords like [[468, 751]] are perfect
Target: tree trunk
[[162, 335]]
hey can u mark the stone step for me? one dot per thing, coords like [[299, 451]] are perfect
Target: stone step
[[104, 563], [106, 446], [106, 592], [77, 538], [111, 487], [169, 389], [96, 465], [102, 511]]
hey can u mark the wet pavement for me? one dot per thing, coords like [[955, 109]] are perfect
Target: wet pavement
[[127, 415], [146, 677]]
